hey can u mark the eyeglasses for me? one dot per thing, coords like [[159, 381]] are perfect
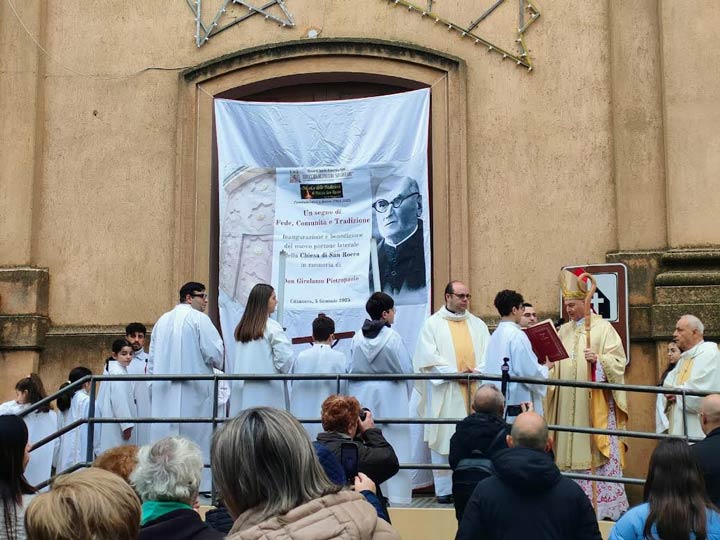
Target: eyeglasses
[[382, 206], [462, 296], [204, 296]]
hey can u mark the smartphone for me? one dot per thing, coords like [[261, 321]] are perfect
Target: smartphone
[[349, 461]]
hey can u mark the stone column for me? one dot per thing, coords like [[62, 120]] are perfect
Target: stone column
[[23, 323]]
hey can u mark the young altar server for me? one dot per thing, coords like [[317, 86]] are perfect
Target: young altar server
[[262, 347], [116, 399], [308, 396], [378, 349], [75, 405], [41, 423]]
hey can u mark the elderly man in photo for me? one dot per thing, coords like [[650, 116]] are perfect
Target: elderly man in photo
[[451, 341], [698, 370], [401, 251]]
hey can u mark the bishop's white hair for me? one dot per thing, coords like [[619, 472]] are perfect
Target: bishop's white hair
[[694, 323]]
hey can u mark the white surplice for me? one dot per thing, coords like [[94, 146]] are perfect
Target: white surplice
[[184, 341], [141, 392], [307, 396], [509, 341], [435, 353], [116, 400], [74, 444], [386, 353], [39, 425], [699, 370], [270, 354]]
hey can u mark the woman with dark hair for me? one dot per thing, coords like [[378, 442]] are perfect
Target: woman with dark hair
[[662, 422], [278, 490], [40, 424], [676, 506], [73, 405], [15, 491], [262, 347]]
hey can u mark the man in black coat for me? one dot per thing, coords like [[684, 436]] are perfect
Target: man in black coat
[[475, 440], [707, 450], [528, 497]]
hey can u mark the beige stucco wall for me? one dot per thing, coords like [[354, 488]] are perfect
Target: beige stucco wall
[[609, 144]]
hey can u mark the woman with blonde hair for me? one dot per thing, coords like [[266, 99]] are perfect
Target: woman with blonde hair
[[262, 347], [89, 504], [279, 490]]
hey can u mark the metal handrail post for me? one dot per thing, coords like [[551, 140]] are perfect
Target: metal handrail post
[[216, 392], [91, 421], [684, 413]]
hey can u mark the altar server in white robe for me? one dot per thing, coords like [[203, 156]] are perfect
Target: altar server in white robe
[[40, 424], [378, 349], [452, 340], [509, 341], [698, 370], [75, 403], [116, 400], [135, 334], [185, 341], [307, 396], [262, 347]]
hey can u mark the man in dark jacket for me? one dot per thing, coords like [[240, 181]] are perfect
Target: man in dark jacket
[[707, 450], [475, 440], [528, 497]]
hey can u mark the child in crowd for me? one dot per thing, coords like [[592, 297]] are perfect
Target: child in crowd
[[74, 405], [378, 349], [116, 399], [308, 396], [40, 424]]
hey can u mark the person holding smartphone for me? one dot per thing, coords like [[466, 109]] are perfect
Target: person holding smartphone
[[342, 422]]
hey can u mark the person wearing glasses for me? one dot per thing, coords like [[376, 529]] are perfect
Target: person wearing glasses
[[401, 250], [185, 341], [452, 340]]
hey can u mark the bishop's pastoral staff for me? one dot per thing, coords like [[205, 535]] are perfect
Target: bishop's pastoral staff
[[452, 340]]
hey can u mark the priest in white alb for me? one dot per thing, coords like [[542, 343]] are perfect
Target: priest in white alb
[[697, 370], [185, 342], [604, 361], [452, 340]]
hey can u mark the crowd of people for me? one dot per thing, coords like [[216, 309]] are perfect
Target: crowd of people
[[303, 476]]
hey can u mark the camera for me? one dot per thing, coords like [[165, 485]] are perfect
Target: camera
[[363, 413]]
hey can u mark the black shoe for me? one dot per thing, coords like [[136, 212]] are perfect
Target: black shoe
[[445, 499]]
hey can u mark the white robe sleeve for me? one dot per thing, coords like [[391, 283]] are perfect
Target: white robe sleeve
[[281, 351], [211, 344], [704, 377], [528, 366], [121, 401], [427, 357]]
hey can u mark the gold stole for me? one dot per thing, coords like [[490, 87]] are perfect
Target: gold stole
[[684, 373], [464, 353]]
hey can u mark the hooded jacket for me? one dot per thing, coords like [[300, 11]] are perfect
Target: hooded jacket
[[528, 498], [339, 516]]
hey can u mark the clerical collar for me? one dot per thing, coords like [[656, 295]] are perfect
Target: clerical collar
[[392, 244]]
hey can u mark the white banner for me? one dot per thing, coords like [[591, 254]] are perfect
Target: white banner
[[318, 182]]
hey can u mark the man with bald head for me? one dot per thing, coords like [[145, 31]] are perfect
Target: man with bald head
[[452, 340], [528, 497], [708, 450], [477, 437], [697, 370], [401, 251]]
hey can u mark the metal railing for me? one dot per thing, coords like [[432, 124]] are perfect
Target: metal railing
[[468, 378]]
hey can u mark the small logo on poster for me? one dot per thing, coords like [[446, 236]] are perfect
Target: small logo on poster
[[321, 191]]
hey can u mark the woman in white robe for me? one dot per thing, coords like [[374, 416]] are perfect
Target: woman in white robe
[[116, 399], [40, 423], [262, 347], [307, 396], [378, 349]]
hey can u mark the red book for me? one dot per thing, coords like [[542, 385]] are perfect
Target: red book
[[545, 342]]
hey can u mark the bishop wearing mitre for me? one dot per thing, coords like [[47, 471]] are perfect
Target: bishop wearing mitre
[[603, 361]]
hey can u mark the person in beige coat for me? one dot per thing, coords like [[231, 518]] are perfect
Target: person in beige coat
[[279, 490]]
